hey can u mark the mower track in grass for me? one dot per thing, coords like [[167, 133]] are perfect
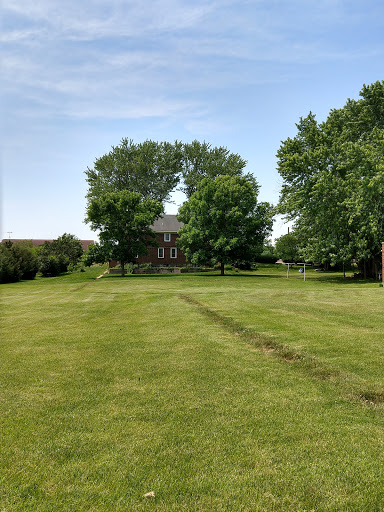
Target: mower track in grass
[[351, 386]]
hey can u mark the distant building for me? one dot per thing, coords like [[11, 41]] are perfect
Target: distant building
[[166, 253], [166, 229]]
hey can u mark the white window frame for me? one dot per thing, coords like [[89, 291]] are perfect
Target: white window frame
[[160, 250], [174, 249], [167, 237]]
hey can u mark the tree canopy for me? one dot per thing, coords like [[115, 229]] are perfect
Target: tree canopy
[[60, 254], [124, 219], [333, 182], [129, 185], [223, 223], [201, 160], [149, 168], [17, 261], [154, 169], [287, 247]]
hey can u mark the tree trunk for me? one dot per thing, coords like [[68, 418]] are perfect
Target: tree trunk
[[122, 263], [368, 268], [221, 269]]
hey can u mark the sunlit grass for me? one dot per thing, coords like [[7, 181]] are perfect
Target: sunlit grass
[[112, 388]]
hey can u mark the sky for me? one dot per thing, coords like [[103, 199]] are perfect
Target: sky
[[77, 77]]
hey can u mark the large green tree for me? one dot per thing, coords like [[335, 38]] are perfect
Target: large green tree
[[61, 253], [149, 168], [333, 182], [287, 248], [223, 222], [123, 218], [200, 160]]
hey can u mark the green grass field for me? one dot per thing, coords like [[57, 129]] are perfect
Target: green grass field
[[248, 392]]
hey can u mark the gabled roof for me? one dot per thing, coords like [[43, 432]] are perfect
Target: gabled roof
[[167, 224]]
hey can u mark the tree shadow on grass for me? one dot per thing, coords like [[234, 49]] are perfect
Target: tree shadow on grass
[[323, 278], [337, 279], [191, 274]]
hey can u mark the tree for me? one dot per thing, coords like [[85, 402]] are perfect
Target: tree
[[150, 168], [95, 253], [69, 248], [50, 265], [17, 261], [26, 254], [287, 247], [223, 222], [333, 182], [201, 161], [58, 255], [10, 271], [123, 218]]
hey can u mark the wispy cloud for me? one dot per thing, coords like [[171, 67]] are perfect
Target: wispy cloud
[[94, 19], [107, 55]]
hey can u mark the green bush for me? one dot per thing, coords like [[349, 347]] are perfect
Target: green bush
[[26, 254], [66, 251], [146, 265], [50, 266], [10, 271]]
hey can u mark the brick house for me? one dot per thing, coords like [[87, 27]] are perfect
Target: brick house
[[382, 261], [166, 253]]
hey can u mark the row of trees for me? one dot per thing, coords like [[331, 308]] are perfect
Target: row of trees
[[333, 183], [223, 221], [23, 260]]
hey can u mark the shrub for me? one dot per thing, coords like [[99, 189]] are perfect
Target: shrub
[[49, 266], [10, 271], [25, 253]]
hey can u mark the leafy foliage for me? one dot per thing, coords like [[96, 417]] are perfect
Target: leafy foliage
[[9, 265], [201, 160], [333, 185], [268, 254], [150, 168], [124, 181], [17, 261], [26, 253], [94, 254], [287, 247], [223, 222], [123, 218], [55, 257], [51, 265]]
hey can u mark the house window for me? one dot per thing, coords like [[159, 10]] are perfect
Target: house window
[[160, 252], [173, 252], [167, 237]]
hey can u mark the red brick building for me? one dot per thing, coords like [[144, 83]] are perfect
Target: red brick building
[[382, 261], [167, 253]]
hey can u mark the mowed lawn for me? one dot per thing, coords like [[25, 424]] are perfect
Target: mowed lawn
[[181, 385]]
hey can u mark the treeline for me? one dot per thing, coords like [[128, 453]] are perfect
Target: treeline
[[333, 184], [23, 260], [224, 223]]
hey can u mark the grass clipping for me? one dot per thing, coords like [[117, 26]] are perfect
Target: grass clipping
[[350, 386]]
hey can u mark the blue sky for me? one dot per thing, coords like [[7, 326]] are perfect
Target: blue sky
[[77, 77]]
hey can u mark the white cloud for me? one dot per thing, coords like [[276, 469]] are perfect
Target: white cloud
[[96, 19], [112, 56]]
